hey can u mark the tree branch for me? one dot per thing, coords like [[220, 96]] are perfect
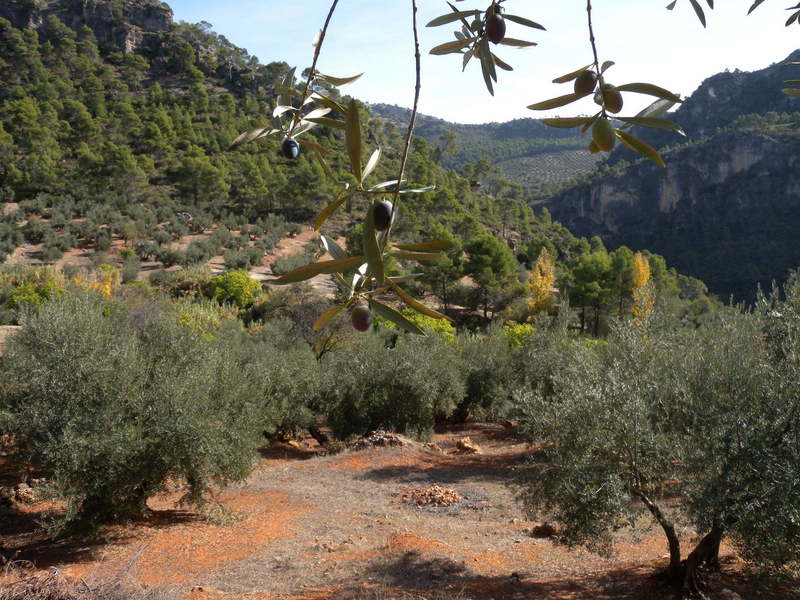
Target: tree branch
[[413, 120]]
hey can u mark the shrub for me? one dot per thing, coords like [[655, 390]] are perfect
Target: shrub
[[236, 287], [441, 327], [130, 270], [405, 388], [137, 406], [489, 375]]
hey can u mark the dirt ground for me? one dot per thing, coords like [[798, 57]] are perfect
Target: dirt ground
[[310, 527]]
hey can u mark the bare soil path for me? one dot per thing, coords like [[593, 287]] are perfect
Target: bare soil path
[[311, 527]]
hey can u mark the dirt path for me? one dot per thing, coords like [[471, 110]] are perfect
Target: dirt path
[[315, 528]]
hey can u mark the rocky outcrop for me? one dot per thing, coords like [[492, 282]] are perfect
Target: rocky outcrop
[[122, 25], [726, 210]]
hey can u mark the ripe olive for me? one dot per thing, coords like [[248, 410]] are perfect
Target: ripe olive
[[612, 99], [495, 27], [585, 82], [603, 134], [382, 215], [290, 148], [361, 317]]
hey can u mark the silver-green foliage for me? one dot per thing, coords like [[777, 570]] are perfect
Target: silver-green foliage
[[111, 406], [404, 388], [695, 424]]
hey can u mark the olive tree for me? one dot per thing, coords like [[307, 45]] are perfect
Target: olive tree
[[698, 424]]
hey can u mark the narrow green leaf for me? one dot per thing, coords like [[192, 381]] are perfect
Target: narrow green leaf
[[279, 110], [314, 146], [390, 314], [325, 317], [486, 69], [501, 63], [317, 113], [517, 43], [755, 5], [449, 18], [699, 11], [330, 103], [329, 210], [384, 184], [451, 47], [606, 66], [325, 167], [327, 122], [650, 90], [566, 122], [793, 18], [653, 123], [641, 147], [467, 57], [332, 248], [416, 305], [249, 136], [371, 249], [795, 93], [523, 21], [416, 255], [433, 245], [570, 76], [421, 190], [339, 80], [792, 82], [325, 267], [672, 4], [557, 102], [353, 138], [371, 163]]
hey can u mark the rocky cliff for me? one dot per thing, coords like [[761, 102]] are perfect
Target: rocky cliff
[[122, 25], [726, 210]]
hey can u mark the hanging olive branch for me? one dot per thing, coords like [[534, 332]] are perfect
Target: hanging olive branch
[[362, 277]]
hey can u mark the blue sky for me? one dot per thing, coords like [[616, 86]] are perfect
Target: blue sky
[[647, 42]]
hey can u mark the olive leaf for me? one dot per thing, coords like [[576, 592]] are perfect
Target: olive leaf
[[314, 146], [570, 76], [452, 47], [557, 102], [327, 122], [653, 123], [371, 164], [641, 147], [325, 101], [325, 267], [339, 80], [566, 122], [517, 43], [329, 210], [417, 305], [406, 255], [332, 248], [325, 317], [433, 245], [390, 314], [449, 18], [523, 21], [371, 249], [650, 90]]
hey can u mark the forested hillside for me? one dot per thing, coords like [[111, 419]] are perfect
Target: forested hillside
[[525, 151]]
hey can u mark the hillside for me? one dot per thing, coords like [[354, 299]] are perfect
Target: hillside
[[727, 207], [524, 150]]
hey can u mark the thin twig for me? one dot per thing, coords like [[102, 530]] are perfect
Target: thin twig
[[413, 120], [594, 51], [312, 71]]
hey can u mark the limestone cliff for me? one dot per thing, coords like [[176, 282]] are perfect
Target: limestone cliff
[[122, 25], [726, 210]]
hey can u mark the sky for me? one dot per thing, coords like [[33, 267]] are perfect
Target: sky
[[647, 43]]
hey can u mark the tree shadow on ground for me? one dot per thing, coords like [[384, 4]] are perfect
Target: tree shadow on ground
[[452, 469], [413, 573]]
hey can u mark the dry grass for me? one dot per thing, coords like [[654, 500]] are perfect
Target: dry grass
[[54, 586]]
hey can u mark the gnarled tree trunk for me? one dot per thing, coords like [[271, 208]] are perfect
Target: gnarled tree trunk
[[705, 554]]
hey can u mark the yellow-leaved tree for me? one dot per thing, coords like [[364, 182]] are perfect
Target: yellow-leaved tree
[[644, 297], [541, 282]]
